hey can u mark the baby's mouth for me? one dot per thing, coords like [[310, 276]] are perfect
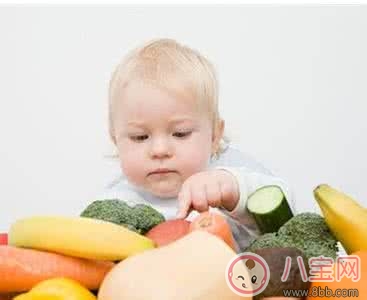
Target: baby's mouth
[[161, 172], [244, 285]]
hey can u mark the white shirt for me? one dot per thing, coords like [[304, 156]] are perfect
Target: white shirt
[[250, 174]]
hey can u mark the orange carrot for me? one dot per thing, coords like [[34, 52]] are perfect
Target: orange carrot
[[216, 224], [21, 269], [8, 296]]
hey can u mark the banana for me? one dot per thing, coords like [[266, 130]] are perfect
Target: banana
[[346, 218], [78, 236]]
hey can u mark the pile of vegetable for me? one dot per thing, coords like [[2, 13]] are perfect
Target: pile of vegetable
[[117, 251]]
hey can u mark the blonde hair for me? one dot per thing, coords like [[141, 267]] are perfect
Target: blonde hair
[[168, 64]]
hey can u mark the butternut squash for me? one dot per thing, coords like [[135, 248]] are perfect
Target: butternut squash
[[192, 267]]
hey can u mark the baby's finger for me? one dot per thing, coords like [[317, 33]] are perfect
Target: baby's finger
[[213, 194], [184, 203], [227, 194], [199, 199]]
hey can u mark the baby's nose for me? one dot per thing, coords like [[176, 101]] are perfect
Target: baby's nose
[[161, 148]]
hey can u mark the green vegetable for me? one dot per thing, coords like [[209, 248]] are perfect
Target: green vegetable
[[146, 217], [139, 218], [267, 240], [310, 232], [270, 208], [111, 210], [307, 232]]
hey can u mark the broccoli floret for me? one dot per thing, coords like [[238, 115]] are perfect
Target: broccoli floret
[[139, 218], [111, 210], [305, 224], [267, 240], [147, 217], [309, 233], [306, 231]]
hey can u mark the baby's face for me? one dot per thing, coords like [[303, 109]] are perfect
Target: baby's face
[[162, 138]]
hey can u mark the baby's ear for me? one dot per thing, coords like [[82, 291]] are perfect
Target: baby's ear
[[112, 135], [113, 139], [217, 135]]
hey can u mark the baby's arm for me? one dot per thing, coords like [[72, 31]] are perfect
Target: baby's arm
[[250, 176], [227, 184], [248, 182]]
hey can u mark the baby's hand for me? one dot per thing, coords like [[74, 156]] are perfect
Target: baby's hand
[[214, 188]]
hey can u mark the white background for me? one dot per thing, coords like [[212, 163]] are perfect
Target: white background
[[293, 94]]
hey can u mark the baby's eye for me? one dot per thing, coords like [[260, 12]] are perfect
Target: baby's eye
[[182, 134], [139, 138], [240, 276]]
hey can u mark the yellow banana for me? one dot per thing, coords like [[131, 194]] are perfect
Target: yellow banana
[[346, 218], [78, 236]]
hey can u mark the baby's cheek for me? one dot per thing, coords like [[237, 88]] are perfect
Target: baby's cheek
[[131, 167], [194, 161]]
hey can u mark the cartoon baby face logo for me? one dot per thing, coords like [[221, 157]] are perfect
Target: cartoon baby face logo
[[247, 274]]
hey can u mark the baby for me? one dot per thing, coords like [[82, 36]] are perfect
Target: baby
[[165, 124]]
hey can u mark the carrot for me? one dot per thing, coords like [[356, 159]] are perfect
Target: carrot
[[21, 269], [8, 296], [216, 224]]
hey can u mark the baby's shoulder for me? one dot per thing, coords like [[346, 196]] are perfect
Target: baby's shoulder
[[234, 156]]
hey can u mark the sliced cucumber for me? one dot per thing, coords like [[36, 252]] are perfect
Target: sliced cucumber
[[270, 208]]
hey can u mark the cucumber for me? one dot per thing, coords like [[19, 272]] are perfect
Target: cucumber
[[269, 208]]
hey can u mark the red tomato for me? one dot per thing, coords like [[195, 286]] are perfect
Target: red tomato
[[168, 231], [3, 238]]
